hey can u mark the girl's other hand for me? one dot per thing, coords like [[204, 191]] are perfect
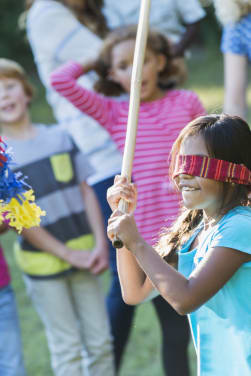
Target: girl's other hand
[[122, 190], [98, 261], [89, 66], [123, 227]]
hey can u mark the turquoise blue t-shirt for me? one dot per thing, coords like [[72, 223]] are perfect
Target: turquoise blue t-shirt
[[221, 327]]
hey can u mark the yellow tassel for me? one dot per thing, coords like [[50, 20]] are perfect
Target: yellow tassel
[[23, 214]]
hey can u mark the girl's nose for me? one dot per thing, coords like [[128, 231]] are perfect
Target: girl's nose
[[182, 177], [185, 176]]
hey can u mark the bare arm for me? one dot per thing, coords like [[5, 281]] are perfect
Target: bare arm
[[184, 294], [43, 240], [135, 285], [99, 255], [187, 39], [235, 80], [140, 266]]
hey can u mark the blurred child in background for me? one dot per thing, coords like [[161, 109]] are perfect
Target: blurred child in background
[[61, 259], [235, 16]]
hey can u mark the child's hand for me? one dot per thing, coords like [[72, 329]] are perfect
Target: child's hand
[[122, 190], [98, 261], [81, 259], [89, 66], [123, 226]]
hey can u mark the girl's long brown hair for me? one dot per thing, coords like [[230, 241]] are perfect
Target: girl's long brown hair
[[92, 16], [156, 42], [227, 138]]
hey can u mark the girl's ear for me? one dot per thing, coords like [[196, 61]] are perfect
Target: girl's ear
[[161, 61], [110, 75], [28, 100]]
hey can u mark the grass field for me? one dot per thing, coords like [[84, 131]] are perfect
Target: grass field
[[142, 357]]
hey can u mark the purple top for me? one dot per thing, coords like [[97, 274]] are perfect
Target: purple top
[[4, 273]]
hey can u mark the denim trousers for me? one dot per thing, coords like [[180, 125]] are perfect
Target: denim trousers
[[174, 328], [72, 308], [11, 357]]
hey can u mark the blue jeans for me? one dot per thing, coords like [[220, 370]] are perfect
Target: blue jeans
[[11, 357], [174, 328]]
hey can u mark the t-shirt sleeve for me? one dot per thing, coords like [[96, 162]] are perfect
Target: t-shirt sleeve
[[195, 106], [234, 233], [82, 166], [232, 40], [190, 11]]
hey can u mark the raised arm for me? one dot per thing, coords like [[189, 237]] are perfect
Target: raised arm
[[64, 81], [141, 267], [135, 285], [178, 49], [184, 294], [235, 78]]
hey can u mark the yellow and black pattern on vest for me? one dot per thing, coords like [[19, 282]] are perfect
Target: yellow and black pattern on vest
[[44, 264], [56, 177]]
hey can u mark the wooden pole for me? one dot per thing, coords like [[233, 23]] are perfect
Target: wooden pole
[[134, 103]]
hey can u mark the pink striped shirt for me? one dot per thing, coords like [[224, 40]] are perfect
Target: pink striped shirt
[[159, 124]]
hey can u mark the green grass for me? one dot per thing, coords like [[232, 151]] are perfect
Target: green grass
[[142, 357]]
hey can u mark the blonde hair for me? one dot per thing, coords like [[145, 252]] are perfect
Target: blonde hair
[[11, 69]]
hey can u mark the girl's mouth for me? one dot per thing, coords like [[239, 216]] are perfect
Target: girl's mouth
[[188, 189], [8, 108]]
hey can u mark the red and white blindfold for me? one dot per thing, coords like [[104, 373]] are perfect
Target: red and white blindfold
[[212, 168]]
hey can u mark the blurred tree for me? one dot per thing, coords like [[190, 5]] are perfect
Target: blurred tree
[[211, 28], [13, 43]]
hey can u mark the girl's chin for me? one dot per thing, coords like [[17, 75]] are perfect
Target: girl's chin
[[190, 205]]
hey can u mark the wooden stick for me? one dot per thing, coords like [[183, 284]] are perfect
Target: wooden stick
[[132, 123]]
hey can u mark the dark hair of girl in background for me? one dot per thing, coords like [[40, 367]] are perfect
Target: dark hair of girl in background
[[156, 42], [227, 138], [89, 14]]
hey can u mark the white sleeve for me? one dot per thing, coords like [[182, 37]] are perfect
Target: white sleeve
[[190, 11], [55, 34]]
